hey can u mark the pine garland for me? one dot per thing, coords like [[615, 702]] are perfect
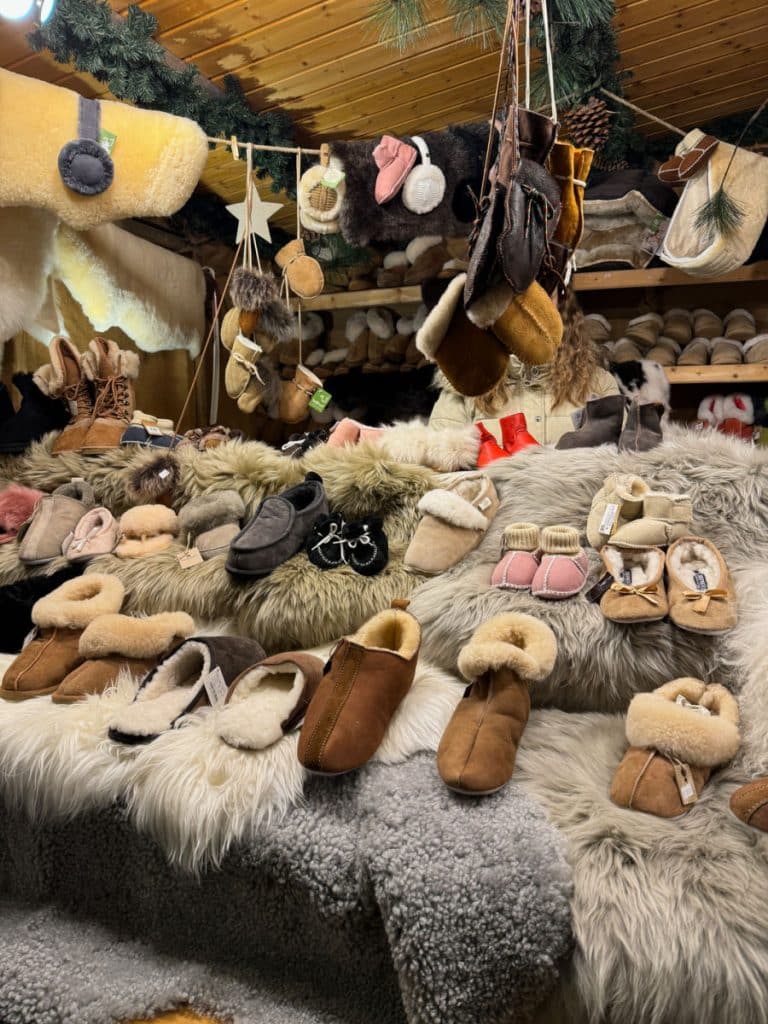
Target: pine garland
[[123, 55], [399, 23]]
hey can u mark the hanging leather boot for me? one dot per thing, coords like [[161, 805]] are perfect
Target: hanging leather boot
[[112, 373], [490, 450], [66, 378], [642, 430], [514, 434], [601, 424]]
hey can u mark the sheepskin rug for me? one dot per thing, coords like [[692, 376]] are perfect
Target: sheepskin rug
[[669, 915], [600, 664], [383, 897], [195, 795]]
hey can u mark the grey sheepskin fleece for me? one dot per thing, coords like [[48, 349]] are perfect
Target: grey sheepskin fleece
[[387, 898], [252, 290], [669, 915], [458, 151], [600, 664], [210, 510], [145, 482]]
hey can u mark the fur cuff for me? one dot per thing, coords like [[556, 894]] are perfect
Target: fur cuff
[[430, 335], [78, 602], [654, 720], [421, 244], [490, 306], [355, 326], [515, 641], [148, 521], [380, 323], [452, 509], [208, 511], [134, 547], [134, 637]]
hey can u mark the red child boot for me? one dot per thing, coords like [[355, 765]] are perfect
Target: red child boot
[[514, 434], [489, 448]]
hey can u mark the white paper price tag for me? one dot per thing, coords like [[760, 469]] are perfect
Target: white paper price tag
[[215, 687], [608, 521]]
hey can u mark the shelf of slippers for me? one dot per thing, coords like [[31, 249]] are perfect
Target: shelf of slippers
[[725, 373], [584, 281]]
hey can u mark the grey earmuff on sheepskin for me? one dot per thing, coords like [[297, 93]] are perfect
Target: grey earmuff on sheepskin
[[84, 165]]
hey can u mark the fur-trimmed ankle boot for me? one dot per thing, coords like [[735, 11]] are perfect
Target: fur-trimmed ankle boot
[[115, 643], [477, 753], [111, 372], [678, 735], [64, 377], [60, 618]]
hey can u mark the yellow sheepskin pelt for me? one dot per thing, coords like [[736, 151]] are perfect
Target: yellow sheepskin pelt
[[158, 157]]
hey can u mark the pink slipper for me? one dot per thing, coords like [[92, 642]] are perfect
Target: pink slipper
[[394, 160], [519, 562], [345, 432], [564, 566]]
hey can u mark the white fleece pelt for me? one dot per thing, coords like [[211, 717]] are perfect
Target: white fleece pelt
[[446, 451], [26, 257]]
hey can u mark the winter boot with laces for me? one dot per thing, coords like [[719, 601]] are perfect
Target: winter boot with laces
[[65, 378], [112, 373]]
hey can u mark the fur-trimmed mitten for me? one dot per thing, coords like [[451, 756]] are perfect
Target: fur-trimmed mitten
[[210, 521], [678, 735], [477, 753], [60, 618], [254, 292], [113, 644]]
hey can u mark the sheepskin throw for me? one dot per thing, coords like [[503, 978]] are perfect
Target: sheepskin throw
[[458, 152], [155, 296], [26, 258], [158, 157]]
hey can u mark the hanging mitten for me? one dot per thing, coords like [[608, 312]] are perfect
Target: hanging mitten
[[257, 295]]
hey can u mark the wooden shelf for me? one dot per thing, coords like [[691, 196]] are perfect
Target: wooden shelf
[[661, 277], [724, 374], [365, 299], [583, 281]]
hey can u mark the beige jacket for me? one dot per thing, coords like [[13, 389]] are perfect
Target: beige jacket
[[527, 394]]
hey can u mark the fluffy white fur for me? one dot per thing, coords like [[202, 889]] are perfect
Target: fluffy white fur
[[380, 323], [132, 547], [390, 630], [171, 688], [26, 257], [405, 326], [263, 699], [78, 602], [148, 520], [490, 306], [691, 555], [515, 641], [446, 451], [398, 258], [355, 325], [336, 355], [655, 387], [312, 326], [421, 244], [430, 334], [646, 566], [452, 508], [655, 720], [134, 637]]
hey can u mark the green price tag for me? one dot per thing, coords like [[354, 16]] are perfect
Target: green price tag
[[107, 140], [320, 400]]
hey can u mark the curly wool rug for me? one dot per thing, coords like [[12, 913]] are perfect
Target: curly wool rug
[[383, 898]]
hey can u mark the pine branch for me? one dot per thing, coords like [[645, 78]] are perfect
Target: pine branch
[[485, 18], [398, 22]]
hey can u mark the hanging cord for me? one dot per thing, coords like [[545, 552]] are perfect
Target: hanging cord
[[511, 12], [212, 330], [527, 54], [550, 65]]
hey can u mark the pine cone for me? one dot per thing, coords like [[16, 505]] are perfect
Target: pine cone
[[589, 124]]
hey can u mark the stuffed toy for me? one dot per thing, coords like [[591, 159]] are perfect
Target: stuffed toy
[[155, 164]]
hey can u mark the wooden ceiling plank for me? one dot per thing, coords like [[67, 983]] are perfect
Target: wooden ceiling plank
[[678, 80], [736, 78], [651, 14], [688, 102], [707, 112], [706, 19], [719, 49], [679, 42], [459, 75]]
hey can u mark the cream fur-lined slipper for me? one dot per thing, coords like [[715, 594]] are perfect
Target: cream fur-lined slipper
[[269, 700], [145, 530], [678, 735], [193, 676], [454, 521], [701, 596]]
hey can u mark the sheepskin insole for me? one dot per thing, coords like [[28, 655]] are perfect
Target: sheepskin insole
[[696, 566], [261, 702], [173, 687], [633, 568]]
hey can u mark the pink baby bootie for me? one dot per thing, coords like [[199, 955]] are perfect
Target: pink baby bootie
[[563, 566], [519, 562]]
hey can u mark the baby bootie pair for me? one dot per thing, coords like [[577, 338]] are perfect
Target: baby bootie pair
[[548, 562], [362, 545]]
